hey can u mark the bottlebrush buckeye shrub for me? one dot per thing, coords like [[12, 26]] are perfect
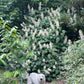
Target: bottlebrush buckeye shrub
[[47, 39]]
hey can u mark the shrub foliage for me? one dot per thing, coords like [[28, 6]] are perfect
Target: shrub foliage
[[47, 39], [13, 53], [74, 63]]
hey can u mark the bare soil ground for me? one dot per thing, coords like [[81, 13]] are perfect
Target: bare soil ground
[[57, 82]]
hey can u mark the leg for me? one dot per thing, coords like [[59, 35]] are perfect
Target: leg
[[29, 81]]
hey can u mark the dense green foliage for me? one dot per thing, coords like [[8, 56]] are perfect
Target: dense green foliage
[[33, 36], [47, 39], [72, 23], [74, 63], [14, 51], [15, 12]]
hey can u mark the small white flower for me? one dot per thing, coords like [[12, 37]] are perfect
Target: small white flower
[[47, 46], [33, 36], [38, 53], [31, 26], [50, 30], [16, 62], [32, 19], [75, 17], [44, 45], [46, 32], [31, 31], [34, 47], [43, 60], [42, 16], [73, 10], [11, 65], [51, 9], [28, 61], [29, 7], [32, 11], [34, 66], [68, 11], [26, 31], [69, 49], [71, 20], [25, 17], [57, 32], [44, 67], [65, 40], [39, 71], [37, 23], [55, 62], [23, 65], [58, 13], [54, 66], [35, 57], [49, 19], [46, 71], [43, 33], [57, 23], [39, 43], [52, 26], [51, 45], [49, 69], [39, 6], [58, 9], [28, 69], [51, 14], [26, 64], [69, 42], [40, 46], [81, 34]]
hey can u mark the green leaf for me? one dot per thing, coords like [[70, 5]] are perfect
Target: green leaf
[[7, 74], [30, 54], [3, 62], [16, 73]]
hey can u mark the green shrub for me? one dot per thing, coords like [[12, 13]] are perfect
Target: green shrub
[[72, 22], [14, 53], [47, 39], [74, 63]]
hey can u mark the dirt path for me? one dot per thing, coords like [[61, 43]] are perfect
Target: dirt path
[[57, 82]]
